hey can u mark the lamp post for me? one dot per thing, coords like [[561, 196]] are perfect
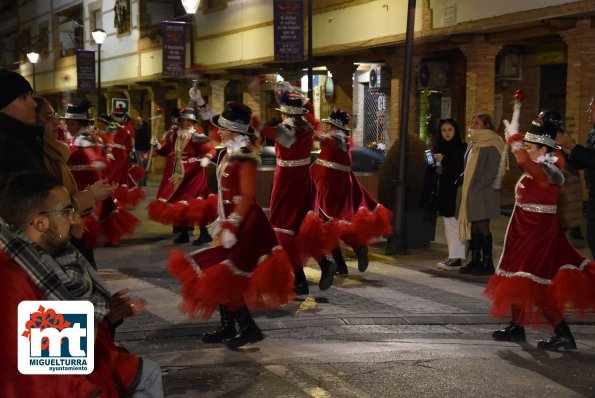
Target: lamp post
[[33, 58], [99, 37], [190, 6]]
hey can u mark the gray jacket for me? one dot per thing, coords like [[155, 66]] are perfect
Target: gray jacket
[[483, 202]]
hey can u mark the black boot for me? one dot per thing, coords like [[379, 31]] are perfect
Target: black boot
[[327, 273], [300, 283], [475, 246], [362, 258], [340, 261], [562, 339], [512, 332], [249, 331], [226, 331], [487, 265], [203, 238], [183, 237]]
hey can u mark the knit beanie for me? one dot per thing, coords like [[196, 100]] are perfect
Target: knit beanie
[[13, 86]]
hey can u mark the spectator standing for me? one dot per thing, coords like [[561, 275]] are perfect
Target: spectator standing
[[142, 145], [449, 156], [583, 157], [21, 140], [479, 201]]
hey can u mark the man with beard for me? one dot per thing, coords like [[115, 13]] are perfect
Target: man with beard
[[37, 262]]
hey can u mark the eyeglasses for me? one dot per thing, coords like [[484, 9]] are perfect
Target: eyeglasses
[[53, 116], [67, 211]]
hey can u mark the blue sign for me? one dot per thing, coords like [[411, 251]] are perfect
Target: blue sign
[[289, 30], [120, 103]]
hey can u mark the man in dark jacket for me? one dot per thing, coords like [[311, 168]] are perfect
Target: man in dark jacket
[[583, 157], [142, 144], [21, 141]]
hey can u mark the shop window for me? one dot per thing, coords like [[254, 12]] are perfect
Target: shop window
[[70, 30], [154, 12], [8, 50]]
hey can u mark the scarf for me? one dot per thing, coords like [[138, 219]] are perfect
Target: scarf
[[66, 277], [477, 139], [55, 156]]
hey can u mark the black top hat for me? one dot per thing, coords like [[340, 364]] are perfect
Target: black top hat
[[174, 115], [542, 133], [235, 118], [339, 119], [188, 114], [78, 111], [119, 115], [104, 117], [291, 104]]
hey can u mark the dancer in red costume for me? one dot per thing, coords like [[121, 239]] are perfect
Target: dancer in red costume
[[110, 221], [340, 196], [248, 269], [539, 273], [120, 170], [184, 198], [292, 196]]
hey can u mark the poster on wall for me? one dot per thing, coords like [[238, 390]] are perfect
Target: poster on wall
[[289, 30], [85, 71], [174, 48]]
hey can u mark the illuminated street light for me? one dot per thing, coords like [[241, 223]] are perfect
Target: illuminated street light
[[33, 58], [190, 6], [99, 37]]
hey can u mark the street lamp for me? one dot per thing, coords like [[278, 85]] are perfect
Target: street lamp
[[33, 58], [190, 6], [99, 37]]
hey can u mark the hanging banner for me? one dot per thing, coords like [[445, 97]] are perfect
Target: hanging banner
[[289, 30], [85, 71], [174, 48]]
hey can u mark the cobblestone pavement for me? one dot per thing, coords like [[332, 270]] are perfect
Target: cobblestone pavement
[[402, 328]]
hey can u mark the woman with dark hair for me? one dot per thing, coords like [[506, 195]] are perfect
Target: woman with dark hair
[[540, 274], [479, 201], [449, 151]]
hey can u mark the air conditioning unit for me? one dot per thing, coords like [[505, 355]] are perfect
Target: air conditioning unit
[[379, 78], [433, 75]]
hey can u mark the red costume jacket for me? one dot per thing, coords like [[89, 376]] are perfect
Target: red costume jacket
[[254, 272], [183, 195], [340, 196]]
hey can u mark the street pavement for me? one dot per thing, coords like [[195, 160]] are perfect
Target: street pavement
[[401, 329]]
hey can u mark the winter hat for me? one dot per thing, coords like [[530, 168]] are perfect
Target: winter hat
[[13, 86]]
